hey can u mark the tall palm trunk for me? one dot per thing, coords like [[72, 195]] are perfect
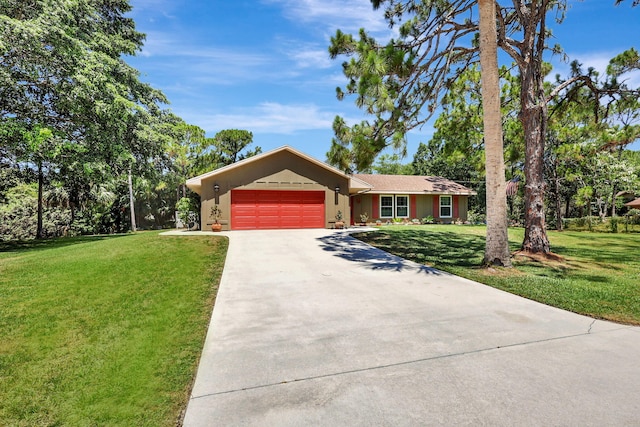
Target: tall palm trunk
[[497, 242]]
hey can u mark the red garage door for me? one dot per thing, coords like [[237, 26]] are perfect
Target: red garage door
[[260, 209]]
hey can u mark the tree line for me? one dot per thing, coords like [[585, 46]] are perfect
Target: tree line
[[87, 147]]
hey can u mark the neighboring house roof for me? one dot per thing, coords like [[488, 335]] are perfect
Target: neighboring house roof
[[196, 183], [412, 184], [634, 203], [626, 195]]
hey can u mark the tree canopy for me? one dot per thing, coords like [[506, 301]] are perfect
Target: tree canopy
[[81, 134], [401, 83]]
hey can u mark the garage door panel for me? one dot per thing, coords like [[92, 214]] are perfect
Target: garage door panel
[[267, 209]]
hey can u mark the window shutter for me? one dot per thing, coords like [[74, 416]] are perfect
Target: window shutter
[[436, 206], [376, 206], [413, 207], [456, 207]]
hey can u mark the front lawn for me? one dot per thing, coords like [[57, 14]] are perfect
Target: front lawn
[[104, 330], [599, 276]]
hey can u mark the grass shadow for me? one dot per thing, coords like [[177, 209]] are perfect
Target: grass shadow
[[353, 249], [17, 246], [435, 249]]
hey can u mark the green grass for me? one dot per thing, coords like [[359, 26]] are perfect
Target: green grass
[[599, 276], [103, 330]]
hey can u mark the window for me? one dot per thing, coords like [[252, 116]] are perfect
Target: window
[[445, 206], [394, 206], [402, 206], [386, 206]]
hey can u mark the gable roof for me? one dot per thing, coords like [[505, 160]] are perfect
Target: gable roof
[[634, 203], [195, 183], [413, 184]]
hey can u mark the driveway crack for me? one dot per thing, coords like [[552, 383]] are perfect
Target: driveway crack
[[393, 365]]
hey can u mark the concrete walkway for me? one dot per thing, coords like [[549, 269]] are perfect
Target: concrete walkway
[[312, 327]]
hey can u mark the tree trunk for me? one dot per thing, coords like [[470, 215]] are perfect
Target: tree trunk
[[131, 204], [613, 200], [497, 241], [533, 118], [40, 185]]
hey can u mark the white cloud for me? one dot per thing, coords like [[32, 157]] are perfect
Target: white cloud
[[150, 11], [312, 58], [267, 117], [599, 62], [596, 60], [347, 15], [170, 45]]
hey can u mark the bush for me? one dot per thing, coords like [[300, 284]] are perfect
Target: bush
[[19, 215], [476, 217], [634, 216], [428, 219], [613, 224], [183, 206], [631, 218], [580, 223], [21, 223]]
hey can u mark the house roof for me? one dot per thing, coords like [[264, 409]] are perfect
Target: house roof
[[634, 203], [358, 183], [412, 184], [196, 183]]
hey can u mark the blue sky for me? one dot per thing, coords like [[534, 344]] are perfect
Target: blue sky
[[263, 65]]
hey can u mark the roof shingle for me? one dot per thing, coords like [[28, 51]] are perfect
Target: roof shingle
[[412, 184]]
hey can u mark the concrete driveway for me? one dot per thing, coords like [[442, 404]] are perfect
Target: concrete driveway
[[312, 327]]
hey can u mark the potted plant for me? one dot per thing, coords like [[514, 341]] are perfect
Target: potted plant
[[364, 217], [216, 214], [339, 221]]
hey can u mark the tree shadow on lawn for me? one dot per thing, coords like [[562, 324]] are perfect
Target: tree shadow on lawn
[[18, 246], [353, 249], [604, 255], [437, 249]]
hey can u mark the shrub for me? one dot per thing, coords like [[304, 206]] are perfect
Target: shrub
[[613, 224], [476, 217], [183, 206], [634, 216], [428, 220]]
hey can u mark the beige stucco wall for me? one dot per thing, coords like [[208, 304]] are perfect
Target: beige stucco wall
[[280, 171]]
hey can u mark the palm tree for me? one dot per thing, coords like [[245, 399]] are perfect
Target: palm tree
[[497, 243]]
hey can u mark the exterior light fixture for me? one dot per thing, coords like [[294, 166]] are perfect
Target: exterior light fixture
[[216, 190], [337, 190]]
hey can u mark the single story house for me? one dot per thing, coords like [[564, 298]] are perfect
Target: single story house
[[285, 188], [409, 196], [634, 204]]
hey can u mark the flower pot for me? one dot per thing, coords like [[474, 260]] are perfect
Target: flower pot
[[216, 227]]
